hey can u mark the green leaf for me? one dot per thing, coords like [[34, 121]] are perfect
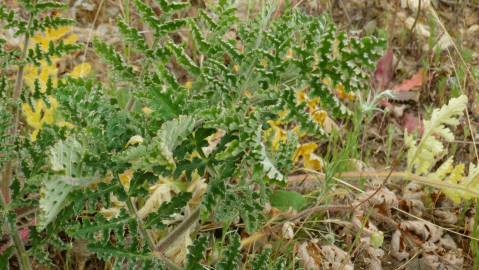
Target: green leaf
[[261, 261], [283, 200], [65, 155], [114, 59], [160, 150], [167, 6], [268, 166], [196, 253], [173, 132], [5, 257], [52, 200], [167, 209], [65, 159], [231, 255]]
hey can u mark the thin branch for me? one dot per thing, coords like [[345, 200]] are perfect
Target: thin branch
[[144, 233]]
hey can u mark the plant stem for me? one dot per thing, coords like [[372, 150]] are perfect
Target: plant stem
[[22, 255], [179, 230], [144, 233], [8, 170], [402, 175], [7, 174]]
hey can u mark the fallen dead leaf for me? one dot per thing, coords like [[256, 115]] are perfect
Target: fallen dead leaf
[[287, 230], [384, 70], [413, 83], [412, 123]]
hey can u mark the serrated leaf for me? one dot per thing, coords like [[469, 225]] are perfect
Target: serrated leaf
[[65, 155], [196, 253], [231, 255], [173, 132], [167, 209], [53, 196], [268, 166], [160, 150]]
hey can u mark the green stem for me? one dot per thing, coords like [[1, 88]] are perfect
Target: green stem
[[7, 174], [22, 255], [8, 170], [144, 233]]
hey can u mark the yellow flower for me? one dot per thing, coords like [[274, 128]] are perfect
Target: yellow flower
[[310, 159], [319, 116], [80, 71]]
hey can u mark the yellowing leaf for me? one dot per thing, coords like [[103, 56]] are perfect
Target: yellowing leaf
[[310, 159], [63, 123], [277, 134], [147, 110], [80, 71], [341, 92], [319, 117], [42, 73], [71, 39], [137, 139], [188, 85], [57, 33], [50, 34], [39, 114], [289, 54], [301, 96], [125, 178], [456, 175], [313, 103]]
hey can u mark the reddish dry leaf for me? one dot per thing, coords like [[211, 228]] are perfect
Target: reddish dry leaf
[[412, 123], [384, 70], [413, 83]]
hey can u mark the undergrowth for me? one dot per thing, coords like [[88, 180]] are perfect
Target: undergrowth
[[214, 121]]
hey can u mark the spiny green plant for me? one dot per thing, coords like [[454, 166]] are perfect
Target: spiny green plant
[[193, 141]]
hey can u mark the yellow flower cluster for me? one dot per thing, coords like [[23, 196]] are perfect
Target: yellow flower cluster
[[304, 152], [39, 112]]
